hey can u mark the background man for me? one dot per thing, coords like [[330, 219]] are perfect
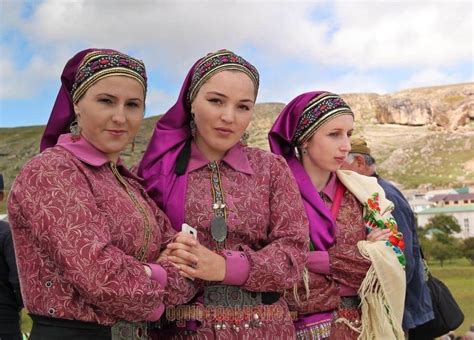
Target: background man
[[418, 308]]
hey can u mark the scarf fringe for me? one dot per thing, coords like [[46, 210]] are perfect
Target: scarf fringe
[[348, 324], [377, 316], [305, 277]]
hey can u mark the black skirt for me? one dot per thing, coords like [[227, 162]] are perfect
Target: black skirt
[[45, 328]]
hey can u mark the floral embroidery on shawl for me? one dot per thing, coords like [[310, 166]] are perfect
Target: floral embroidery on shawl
[[374, 219]]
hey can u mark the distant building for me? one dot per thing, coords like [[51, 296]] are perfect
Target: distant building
[[432, 193], [463, 213], [453, 199], [418, 204]]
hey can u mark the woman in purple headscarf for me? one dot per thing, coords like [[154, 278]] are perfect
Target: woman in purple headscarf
[[251, 233], [86, 234], [353, 286]]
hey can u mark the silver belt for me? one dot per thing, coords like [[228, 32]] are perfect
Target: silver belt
[[125, 330], [230, 296]]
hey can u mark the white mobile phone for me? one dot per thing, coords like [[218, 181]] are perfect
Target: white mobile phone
[[187, 229]]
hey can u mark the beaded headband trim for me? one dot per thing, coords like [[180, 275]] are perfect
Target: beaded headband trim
[[98, 65], [220, 61], [319, 110]]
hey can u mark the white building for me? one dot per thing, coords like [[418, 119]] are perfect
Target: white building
[[464, 214], [418, 204]]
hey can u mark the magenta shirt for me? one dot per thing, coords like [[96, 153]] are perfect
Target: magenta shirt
[[76, 232]]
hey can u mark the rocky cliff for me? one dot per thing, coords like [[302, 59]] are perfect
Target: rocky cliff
[[446, 107]]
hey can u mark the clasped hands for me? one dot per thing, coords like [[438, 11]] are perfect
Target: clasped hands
[[194, 260], [377, 234]]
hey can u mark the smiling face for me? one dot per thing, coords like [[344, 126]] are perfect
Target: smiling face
[[222, 109], [110, 114], [327, 149]]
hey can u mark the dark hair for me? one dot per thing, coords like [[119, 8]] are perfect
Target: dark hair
[[1, 183]]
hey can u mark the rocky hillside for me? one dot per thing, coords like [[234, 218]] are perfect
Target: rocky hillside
[[449, 107], [420, 137]]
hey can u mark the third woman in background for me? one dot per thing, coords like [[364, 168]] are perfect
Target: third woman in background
[[354, 286], [252, 235]]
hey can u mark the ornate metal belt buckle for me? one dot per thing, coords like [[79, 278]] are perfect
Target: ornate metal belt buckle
[[230, 296], [125, 330]]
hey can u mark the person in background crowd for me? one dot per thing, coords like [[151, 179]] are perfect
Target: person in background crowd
[[10, 295], [86, 234], [418, 308], [252, 235], [470, 333], [354, 283]]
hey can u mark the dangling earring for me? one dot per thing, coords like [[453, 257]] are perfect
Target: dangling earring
[[133, 144], [245, 138], [75, 130], [192, 125]]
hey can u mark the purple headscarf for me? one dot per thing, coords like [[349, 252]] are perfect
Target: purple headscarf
[[99, 66], [322, 226], [172, 133]]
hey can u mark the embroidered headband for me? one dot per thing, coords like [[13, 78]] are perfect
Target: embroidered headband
[[319, 110], [220, 61], [98, 65]]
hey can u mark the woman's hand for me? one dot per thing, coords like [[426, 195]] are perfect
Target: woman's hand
[[195, 260], [377, 234], [164, 255], [180, 250]]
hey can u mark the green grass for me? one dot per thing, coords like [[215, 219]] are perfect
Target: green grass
[[458, 275], [453, 99], [439, 161]]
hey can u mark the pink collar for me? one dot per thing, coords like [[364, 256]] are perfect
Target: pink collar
[[330, 188], [84, 150], [235, 158]]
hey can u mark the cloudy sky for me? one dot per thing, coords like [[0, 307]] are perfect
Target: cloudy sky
[[341, 46]]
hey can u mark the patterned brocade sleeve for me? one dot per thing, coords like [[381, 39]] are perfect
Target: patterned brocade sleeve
[[52, 198], [348, 267], [323, 295], [279, 264]]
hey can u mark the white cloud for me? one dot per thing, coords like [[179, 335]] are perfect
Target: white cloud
[[170, 35], [158, 102], [351, 82], [20, 83], [428, 77], [404, 33]]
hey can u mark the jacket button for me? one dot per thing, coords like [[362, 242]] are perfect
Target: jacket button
[[51, 311], [49, 284]]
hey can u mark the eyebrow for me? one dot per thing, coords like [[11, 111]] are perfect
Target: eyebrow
[[112, 96], [223, 95], [340, 129]]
